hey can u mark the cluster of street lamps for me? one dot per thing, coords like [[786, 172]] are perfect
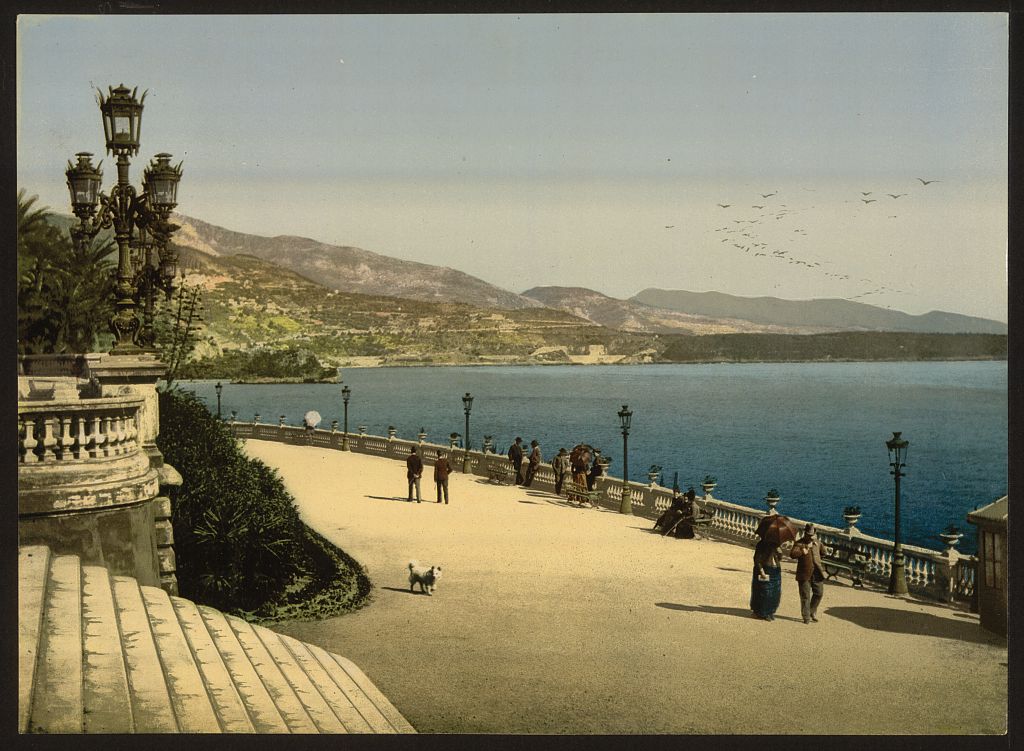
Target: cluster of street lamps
[[141, 221]]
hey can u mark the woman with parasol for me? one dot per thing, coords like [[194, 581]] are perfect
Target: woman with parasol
[[579, 462], [766, 583]]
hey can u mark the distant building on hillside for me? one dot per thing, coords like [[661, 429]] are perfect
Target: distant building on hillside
[[991, 578]]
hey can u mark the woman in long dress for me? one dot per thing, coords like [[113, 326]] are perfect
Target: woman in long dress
[[766, 584]]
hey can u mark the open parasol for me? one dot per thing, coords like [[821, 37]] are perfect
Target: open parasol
[[311, 419], [576, 455], [777, 529]]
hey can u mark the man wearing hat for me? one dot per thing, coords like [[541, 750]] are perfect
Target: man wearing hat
[[560, 465], [534, 464], [810, 573]]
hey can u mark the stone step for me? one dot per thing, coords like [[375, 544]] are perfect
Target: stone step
[[313, 702], [107, 703], [258, 701], [152, 709], [223, 692], [191, 702], [369, 712], [33, 570], [395, 719], [283, 692], [57, 700], [340, 704]]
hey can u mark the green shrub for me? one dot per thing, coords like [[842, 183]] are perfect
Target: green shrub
[[239, 541]]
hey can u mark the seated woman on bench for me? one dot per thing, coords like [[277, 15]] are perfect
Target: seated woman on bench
[[680, 515]]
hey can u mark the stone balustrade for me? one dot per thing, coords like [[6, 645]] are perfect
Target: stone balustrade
[[77, 430], [945, 575]]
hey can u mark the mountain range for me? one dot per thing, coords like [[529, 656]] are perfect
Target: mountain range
[[652, 311]]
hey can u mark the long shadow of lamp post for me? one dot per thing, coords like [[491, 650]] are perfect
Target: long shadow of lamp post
[[625, 418], [346, 394], [897, 455], [140, 220], [467, 403]]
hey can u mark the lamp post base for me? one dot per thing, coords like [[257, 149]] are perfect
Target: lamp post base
[[626, 506], [898, 578], [344, 444]]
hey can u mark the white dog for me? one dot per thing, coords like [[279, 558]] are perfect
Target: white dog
[[425, 577]]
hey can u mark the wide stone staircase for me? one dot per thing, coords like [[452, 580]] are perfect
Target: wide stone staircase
[[102, 654]]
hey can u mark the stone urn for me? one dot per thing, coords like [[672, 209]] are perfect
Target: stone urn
[[361, 429], [951, 538], [488, 444], [851, 515], [453, 440], [422, 435], [391, 432], [256, 419], [653, 475], [772, 500], [709, 484], [334, 426]]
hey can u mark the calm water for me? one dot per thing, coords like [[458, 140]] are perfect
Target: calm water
[[815, 432]]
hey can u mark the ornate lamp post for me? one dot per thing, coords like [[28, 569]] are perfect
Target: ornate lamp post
[[140, 222], [625, 418], [897, 455], [218, 388], [467, 403], [346, 394]]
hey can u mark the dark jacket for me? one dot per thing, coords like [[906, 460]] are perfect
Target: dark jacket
[[414, 466], [808, 560], [442, 469], [515, 453]]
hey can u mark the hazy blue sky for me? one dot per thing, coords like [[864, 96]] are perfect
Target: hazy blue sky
[[582, 150]]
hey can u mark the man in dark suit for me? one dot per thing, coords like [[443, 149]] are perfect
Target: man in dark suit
[[441, 471], [515, 454], [413, 472], [810, 573], [534, 465]]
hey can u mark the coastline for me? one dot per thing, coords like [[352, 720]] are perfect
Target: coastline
[[259, 380]]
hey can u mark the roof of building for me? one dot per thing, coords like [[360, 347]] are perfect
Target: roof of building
[[993, 512], [101, 654]]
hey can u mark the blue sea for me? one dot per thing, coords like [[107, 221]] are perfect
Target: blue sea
[[815, 432]]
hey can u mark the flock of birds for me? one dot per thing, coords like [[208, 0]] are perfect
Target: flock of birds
[[742, 232]]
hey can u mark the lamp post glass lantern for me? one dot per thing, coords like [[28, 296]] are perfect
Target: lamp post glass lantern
[[625, 420], [897, 447], [346, 393], [467, 404], [140, 220]]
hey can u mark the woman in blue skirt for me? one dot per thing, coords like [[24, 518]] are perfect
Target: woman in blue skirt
[[766, 584]]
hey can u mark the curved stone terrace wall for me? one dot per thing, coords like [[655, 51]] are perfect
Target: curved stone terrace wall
[[944, 575]]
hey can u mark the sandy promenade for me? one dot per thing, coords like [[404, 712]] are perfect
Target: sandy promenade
[[552, 619]]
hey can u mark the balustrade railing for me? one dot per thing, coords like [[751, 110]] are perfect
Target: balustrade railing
[[73, 431], [947, 576]]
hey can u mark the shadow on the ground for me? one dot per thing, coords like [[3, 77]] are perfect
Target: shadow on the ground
[[739, 612], [907, 622], [739, 570], [403, 590], [388, 498]]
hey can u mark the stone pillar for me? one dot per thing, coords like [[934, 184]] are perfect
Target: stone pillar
[[132, 375], [169, 478]]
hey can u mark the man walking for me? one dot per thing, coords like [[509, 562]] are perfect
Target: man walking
[[560, 465], [441, 471], [413, 471], [534, 465], [810, 573], [515, 454]]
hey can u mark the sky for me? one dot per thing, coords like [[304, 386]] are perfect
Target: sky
[[752, 154]]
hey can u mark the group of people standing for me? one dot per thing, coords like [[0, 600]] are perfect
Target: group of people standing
[[766, 585], [414, 471], [583, 466]]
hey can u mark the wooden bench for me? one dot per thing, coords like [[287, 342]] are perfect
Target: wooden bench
[[500, 472], [848, 559]]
